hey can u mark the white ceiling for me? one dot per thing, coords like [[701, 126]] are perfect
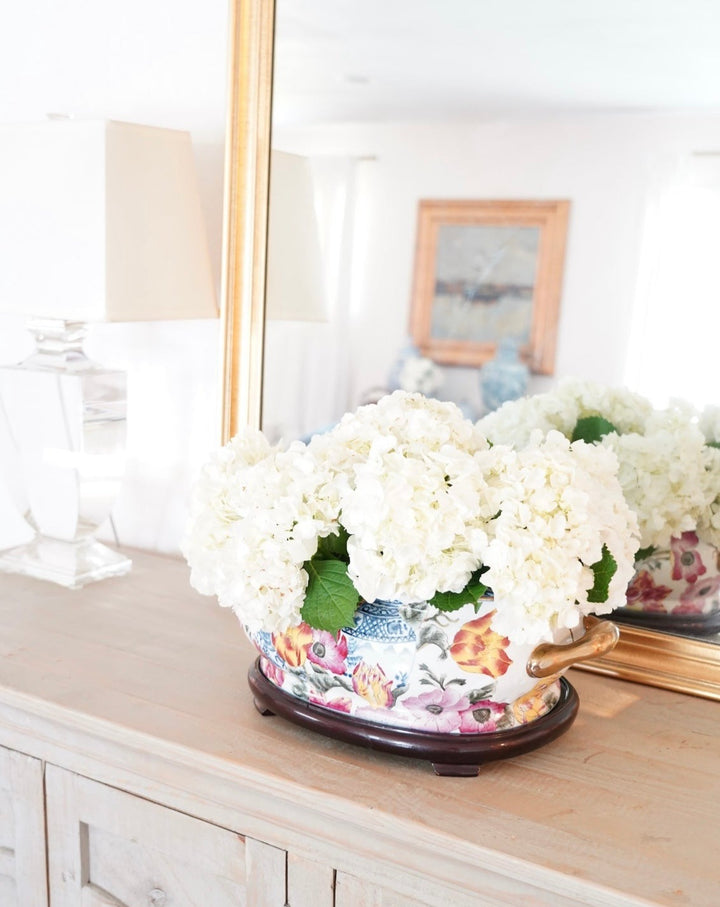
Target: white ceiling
[[146, 61], [409, 59], [362, 59]]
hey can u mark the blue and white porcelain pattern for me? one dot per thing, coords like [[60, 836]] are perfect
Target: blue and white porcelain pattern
[[505, 377], [381, 622]]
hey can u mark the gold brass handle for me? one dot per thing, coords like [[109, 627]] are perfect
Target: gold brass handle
[[548, 658]]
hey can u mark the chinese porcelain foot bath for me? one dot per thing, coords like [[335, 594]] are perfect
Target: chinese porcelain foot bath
[[450, 754], [409, 680], [402, 575]]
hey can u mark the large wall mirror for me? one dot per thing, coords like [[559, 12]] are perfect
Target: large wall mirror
[[385, 103]]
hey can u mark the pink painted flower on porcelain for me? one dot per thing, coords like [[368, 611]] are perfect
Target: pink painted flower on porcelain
[[687, 563], [438, 710], [273, 673], [371, 682], [482, 717], [644, 591], [328, 651], [699, 597], [340, 704], [690, 607]]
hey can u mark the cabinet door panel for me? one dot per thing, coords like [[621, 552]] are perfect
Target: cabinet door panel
[[107, 848], [310, 884], [492, 891], [351, 891], [23, 875]]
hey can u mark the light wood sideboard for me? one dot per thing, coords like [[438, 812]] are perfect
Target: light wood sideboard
[[136, 772]]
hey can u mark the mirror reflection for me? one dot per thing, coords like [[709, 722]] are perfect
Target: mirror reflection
[[380, 106]]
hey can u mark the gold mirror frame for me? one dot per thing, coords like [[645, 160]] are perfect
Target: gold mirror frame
[[645, 656], [247, 181]]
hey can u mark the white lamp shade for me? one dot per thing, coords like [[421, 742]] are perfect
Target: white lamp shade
[[295, 286], [101, 221]]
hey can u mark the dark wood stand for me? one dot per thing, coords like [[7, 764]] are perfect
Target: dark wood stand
[[450, 754]]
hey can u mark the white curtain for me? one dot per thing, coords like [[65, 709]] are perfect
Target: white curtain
[[673, 344], [307, 364]]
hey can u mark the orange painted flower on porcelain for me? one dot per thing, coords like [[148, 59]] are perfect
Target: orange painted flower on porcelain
[[478, 649], [534, 704], [371, 682], [292, 645]]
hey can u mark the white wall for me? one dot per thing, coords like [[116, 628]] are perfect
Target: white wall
[[135, 62], [146, 62], [610, 167]]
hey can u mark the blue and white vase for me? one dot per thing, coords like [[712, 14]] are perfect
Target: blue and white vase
[[505, 377]]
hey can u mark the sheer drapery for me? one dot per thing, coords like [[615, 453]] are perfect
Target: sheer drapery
[[673, 344], [306, 379]]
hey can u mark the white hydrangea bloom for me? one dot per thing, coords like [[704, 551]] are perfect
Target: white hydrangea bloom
[[559, 504], [708, 527], [561, 408], [709, 423], [211, 512], [421, 375], [515, 421], [670, 478], [426, 502], [410, 494], [627, 410], [255, 520]]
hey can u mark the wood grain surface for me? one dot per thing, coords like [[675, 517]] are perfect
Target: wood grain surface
[[140, 683]]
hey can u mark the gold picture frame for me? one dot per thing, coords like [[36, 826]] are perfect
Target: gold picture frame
[[486, 271]]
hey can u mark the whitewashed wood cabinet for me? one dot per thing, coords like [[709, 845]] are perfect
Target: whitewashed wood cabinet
[[136, 772], [92, 845], [22, 831], [107, 848]]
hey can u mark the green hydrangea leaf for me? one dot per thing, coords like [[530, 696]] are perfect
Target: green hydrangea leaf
[[331, 598], [715, 444], [642, 553], [452, 601], [592, 429], [333, 547], [604, 571]]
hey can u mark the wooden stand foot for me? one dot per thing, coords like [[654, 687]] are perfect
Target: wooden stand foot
[[455, 771]]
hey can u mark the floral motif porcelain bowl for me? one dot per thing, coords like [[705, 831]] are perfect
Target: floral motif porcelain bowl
[[415, 667], [681, 579], [407, 501], [676, 588]]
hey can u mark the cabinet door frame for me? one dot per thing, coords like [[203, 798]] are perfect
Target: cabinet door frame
[[25, 862], [77, 805]]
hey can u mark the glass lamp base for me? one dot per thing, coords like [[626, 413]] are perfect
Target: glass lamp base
[[71, 564]]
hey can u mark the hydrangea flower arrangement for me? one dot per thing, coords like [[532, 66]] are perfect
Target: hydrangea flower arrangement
[[406, 501], [669, 461]]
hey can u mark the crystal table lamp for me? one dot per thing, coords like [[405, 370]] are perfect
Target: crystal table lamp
[[99, 221]]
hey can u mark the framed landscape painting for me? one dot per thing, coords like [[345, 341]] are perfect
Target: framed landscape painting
[[488, 271]]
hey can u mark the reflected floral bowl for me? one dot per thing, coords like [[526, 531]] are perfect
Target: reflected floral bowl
[[681, 579], [676, 588]]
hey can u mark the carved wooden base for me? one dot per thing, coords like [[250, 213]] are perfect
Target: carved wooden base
[[450, 754]]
